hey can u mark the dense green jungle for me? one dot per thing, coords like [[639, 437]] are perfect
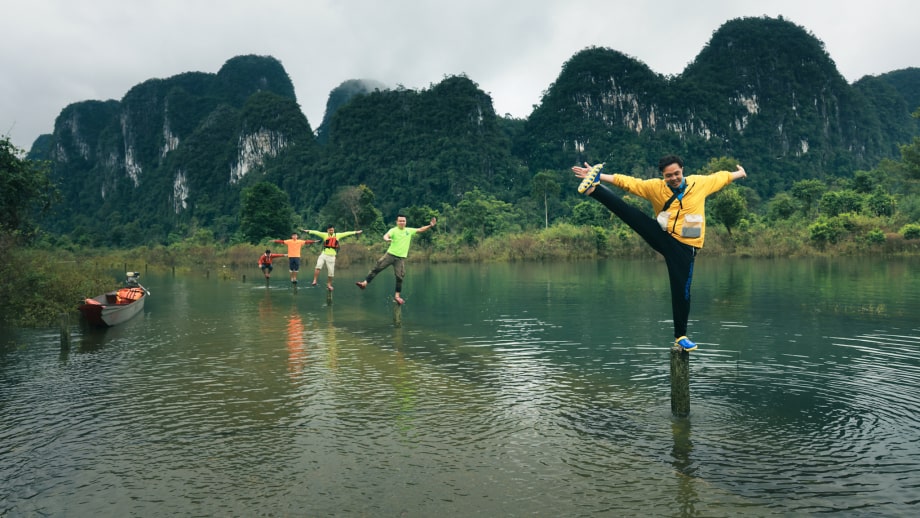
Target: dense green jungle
[[203, 171]]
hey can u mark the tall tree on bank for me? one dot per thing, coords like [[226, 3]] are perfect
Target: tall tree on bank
[[544, 185], [25, 189], [265, 211]]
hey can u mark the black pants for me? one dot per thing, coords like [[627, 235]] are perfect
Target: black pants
[[678, 256]]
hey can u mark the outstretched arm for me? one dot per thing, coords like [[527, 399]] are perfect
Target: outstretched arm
[[739, 173], [428, 226]]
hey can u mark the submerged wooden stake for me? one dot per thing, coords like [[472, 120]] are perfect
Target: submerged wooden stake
[[65, 332], [680, 382]]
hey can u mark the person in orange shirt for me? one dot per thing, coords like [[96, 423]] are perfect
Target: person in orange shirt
[[293, 246]]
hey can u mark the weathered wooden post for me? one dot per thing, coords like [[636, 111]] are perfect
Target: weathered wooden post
[[65, 332], [328, 298], [244, 277], [397, 314], [680, 381]]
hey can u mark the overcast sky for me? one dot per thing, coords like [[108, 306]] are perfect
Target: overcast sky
[[57, 52]]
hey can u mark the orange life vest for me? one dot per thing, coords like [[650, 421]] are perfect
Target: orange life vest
[[129, 295]]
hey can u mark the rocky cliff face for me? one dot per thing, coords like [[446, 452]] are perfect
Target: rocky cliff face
[[176, 133], [762, 90]]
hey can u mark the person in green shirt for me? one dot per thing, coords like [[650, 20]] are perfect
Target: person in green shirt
[[399, 238], [330, 250]]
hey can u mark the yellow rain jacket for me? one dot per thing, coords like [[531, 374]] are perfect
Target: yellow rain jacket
[[685, 218]]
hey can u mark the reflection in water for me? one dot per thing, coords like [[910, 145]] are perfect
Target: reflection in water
[[686, 493], [331, 341], [510, 390], [296, 344]]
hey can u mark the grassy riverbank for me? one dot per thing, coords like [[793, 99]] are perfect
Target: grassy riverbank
[[44, 281]]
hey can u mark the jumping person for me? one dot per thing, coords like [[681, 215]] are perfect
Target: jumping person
[[265, 263], [330, 250], [399, 237], [678, 231], [293, 246]]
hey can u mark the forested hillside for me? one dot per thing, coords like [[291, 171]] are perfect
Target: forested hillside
[[176, 155]]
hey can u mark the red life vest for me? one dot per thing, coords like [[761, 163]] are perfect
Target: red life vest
[[331, 242]]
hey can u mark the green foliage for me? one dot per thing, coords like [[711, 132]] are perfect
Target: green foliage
[[910, 231], [875, 237], [833, 203], [782, 206], [727, 207], [265, 212], [910, 156], [480, 215], [428, 147], [880, 203], [826, 231], [340, 96], [39, 286], [723, 163], [25, 189], [353, 206], [808, 192], [590, 213], [543, 186]]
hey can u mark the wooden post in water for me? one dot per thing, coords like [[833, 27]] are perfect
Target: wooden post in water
[[397, 314], [680, 381], [244, 277], [65, 332]]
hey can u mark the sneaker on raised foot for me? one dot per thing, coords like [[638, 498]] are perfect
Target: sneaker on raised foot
[[592, 179], [361, 284], [685, 343]]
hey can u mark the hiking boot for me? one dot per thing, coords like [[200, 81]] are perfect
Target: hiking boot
[[685, 343], [593, 178]]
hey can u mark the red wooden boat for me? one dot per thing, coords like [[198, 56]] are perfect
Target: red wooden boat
[[114, 307]]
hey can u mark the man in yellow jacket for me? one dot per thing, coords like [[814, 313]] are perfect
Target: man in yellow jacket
[[677, 232]]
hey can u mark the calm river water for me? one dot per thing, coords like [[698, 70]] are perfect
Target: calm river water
[[497, 390]]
